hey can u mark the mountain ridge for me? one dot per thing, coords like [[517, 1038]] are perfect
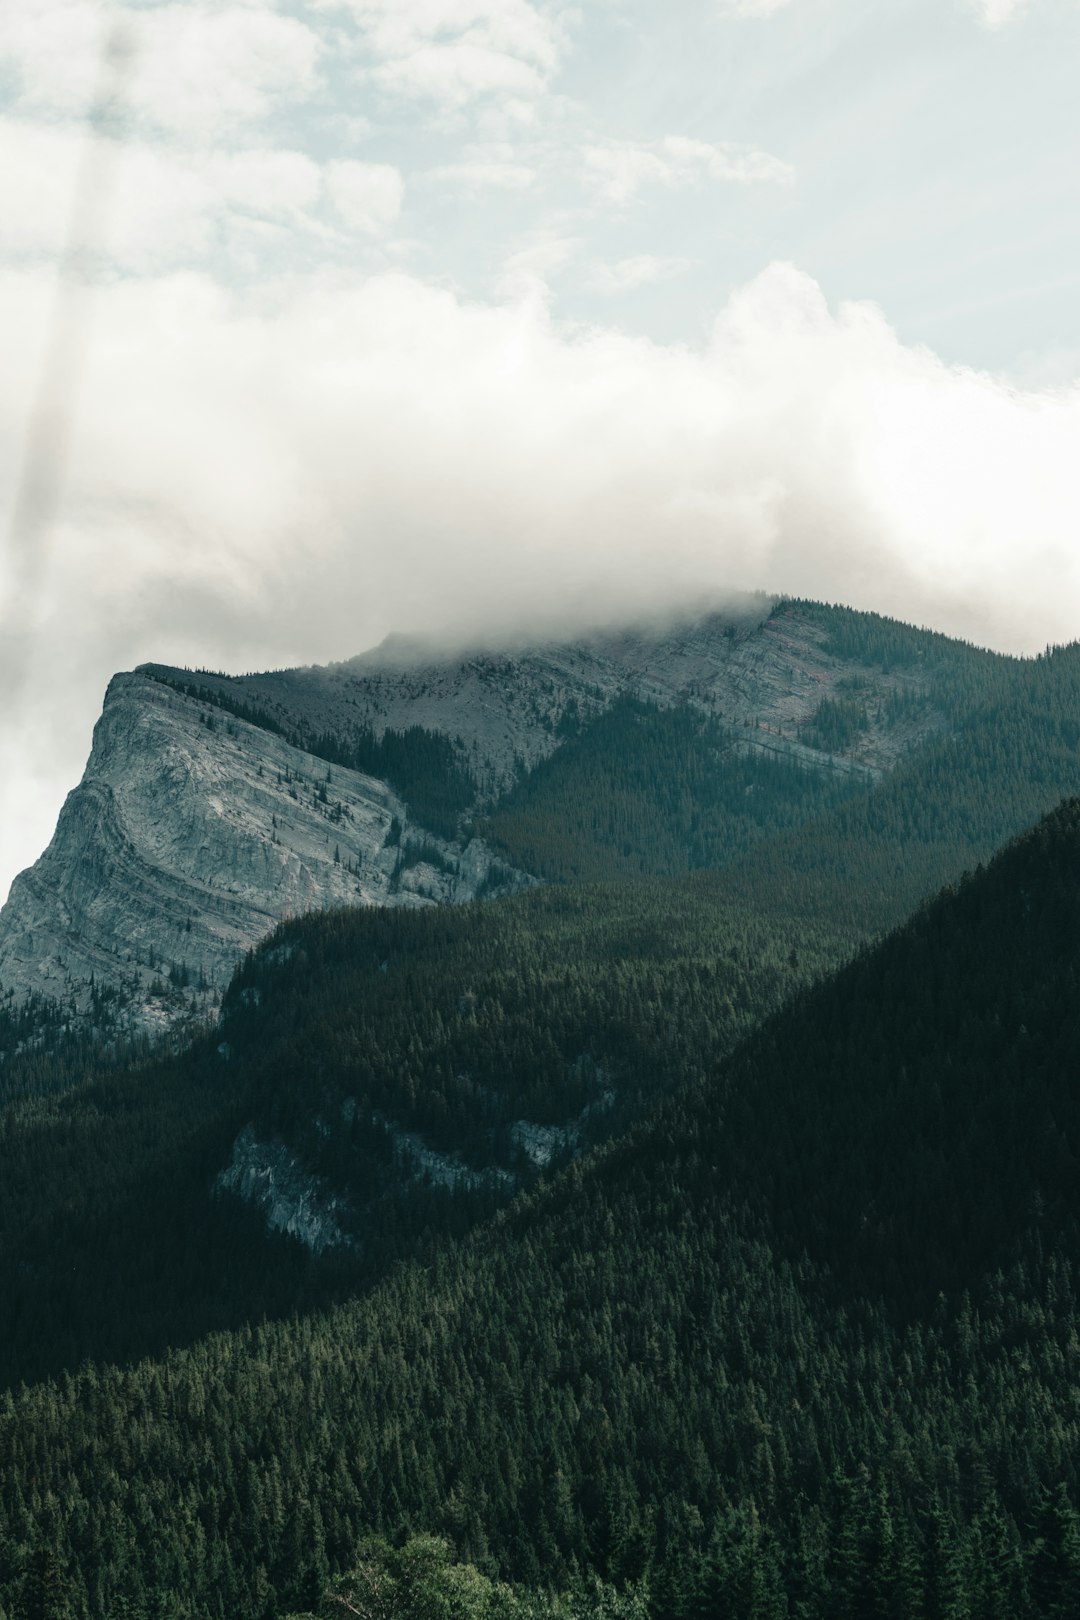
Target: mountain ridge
[[213, 805]]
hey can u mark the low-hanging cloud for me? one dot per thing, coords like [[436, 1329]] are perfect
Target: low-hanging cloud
[[291, 474]]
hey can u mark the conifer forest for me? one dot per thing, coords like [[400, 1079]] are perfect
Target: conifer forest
[[689, 1232]]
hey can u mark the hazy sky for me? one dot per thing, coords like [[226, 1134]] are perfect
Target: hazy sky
[[320, 320]]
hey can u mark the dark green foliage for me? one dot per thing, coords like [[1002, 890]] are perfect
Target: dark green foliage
[[837, 723], [423, 766], [346, 1035], [421, 1580], [45, 1047], [648, 790], [984, 745], [958, 1036], [696, 1359], [422, 852], [802, 1342], [219, 698], [1002, 763], [996, 744], [870, 639], [42, 1592]]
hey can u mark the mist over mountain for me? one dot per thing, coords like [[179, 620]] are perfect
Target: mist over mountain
[[539, 810], [474, 470]]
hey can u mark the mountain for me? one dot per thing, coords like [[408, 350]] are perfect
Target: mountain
[[213, 806], [603, 1221], [191, 834], [802, 1342]]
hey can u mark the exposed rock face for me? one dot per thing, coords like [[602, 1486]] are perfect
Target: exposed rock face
[[191, 834], [294, 1202], [540, 1143], [444, 1169]]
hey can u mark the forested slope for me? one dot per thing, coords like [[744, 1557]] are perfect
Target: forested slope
[[407, 1062], [1003, 762], [805, 1344], [994, 744]]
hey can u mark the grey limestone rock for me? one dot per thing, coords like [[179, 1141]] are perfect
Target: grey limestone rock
[[294, 1202], [191, 834]]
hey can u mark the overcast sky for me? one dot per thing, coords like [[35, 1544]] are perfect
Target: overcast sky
[[321, 320]]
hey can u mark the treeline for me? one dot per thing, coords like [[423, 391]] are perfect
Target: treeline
[[721, 1365], [46, 1046], [422, 766], [637, 790]]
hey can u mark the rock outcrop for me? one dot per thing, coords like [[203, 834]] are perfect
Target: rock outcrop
[[292, 1201], [191, 834]]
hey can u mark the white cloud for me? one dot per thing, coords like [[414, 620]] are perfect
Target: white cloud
[[619, 169], [289, 474], [640, 270], [494, 166], [52, 50], [405, 434], [997, 13], [750, 8], [368, 196], [458, 74], [473, 176], [512, 27], [38, 167], [287, 470], [200, 71], [159, 207], [536, 261], [458, 52], [994, 13]]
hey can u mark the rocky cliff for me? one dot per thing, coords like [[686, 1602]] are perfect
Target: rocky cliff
[[190, 835]]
